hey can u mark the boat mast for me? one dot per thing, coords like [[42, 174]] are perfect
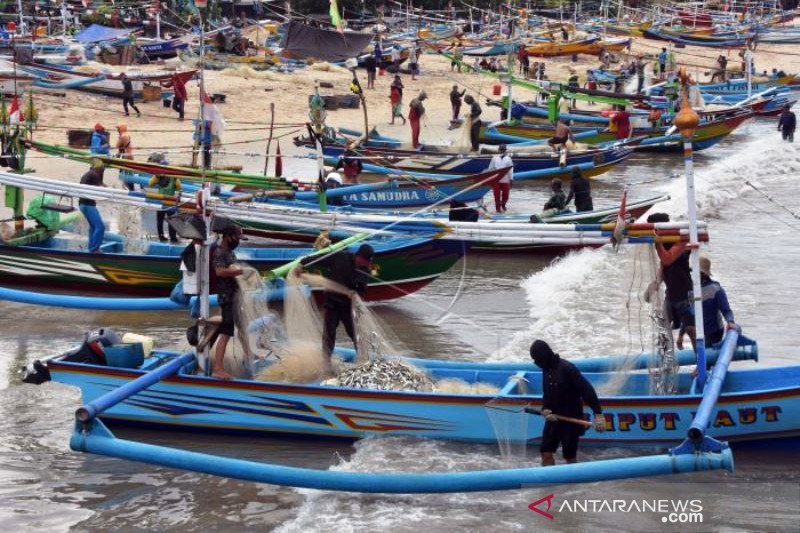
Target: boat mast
[[205, 196], [686, 121]]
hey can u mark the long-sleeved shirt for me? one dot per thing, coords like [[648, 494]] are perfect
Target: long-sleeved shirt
[[565, 389], [581, 190], [787, 122], [715, 305], [341, 268], [99, 144], [503, 161]]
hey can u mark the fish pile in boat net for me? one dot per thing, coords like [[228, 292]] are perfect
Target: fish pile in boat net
[[385, 374]]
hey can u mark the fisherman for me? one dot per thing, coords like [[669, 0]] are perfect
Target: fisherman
[[97, 229], [561, 135], [621, 123], [127, 95], [179, 95], [371, 65], [224, 260], [351, 272], [502, 188], [676, 273], [525, 62], [787, 123], [640, 73], [124, 151], [564, 391], [662, 62], [564, 34], [581, 190], [99, 143], [458, 57], [455, 101], [350, 164], [413, 61], [396, 99], [378, 53], [715, 308], [557, 200], [416, 110], [168, 186], [474, 121]]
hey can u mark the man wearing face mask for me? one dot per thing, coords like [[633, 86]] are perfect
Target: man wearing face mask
[[223, 262], [351, 272], [564, 391]]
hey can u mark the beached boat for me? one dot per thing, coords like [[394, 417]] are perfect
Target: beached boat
[[163, 49], [101, 82], [591, 45]]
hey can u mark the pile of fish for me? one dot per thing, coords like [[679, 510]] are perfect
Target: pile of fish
[[384, 374]]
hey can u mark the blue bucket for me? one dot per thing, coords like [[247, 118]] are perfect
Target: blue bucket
[[125, 355]]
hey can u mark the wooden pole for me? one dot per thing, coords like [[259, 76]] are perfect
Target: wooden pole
[[269, 139]]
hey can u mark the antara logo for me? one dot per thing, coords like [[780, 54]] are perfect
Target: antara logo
[[549, 499]]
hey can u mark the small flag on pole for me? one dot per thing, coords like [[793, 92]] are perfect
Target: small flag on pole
[[336, 20], [15, 114]]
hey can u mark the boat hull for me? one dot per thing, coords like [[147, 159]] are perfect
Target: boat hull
[[401, 269], [197, 403]]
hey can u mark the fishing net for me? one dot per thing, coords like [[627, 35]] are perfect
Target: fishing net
[[510, 425], [296, 344]]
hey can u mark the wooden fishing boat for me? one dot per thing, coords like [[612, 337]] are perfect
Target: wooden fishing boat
[[708, 134], [754, 405], [591, 45], [739, 86], [106, 83], [403, 191], [63, 264], [431, 161], [163, 49]]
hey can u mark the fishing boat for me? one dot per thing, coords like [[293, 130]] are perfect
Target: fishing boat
[[62, 263], [101, 82], [754, 404], [591, 45], [399, 191], [655, 139], [431, 160], [163, 49]]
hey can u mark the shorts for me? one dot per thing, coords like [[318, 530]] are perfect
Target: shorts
[[558, 140], [397, 110], [681, 313], [563, 434], [414, 67], [228, 322]]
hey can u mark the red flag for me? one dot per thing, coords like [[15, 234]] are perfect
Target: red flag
[[15, 114], [619, 227], [278, 161]]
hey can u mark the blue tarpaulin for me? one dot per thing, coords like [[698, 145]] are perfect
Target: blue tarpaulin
[[97, 33]]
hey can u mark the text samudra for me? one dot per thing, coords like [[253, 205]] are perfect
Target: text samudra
[[622, 421], [382, 196]]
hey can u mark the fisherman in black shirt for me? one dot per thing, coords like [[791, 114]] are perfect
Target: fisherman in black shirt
[[564, 391], [352, 272], [787, 123], [475, 121], [581, 190], [127, 95]]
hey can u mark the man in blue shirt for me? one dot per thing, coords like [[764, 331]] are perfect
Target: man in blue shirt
[[662, 61], [715, 308]]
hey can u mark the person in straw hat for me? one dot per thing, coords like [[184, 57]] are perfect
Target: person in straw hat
[[715, 308]]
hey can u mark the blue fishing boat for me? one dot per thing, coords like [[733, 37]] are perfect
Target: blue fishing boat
[[431, 161], [754, 405]]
